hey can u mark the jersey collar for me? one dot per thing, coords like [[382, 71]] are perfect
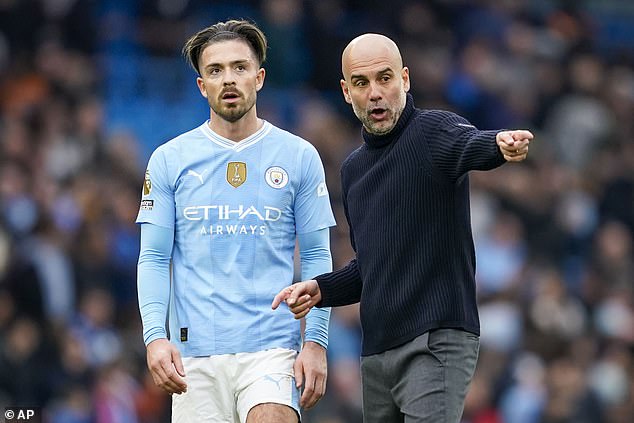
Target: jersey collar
[[233, 145]]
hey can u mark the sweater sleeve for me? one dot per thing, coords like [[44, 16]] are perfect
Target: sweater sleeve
[[341, 287], [457, 147]]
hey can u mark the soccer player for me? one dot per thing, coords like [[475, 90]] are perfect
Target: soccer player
[[224, 204], [406, 198]]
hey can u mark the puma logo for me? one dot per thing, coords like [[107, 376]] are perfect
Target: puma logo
[[276, 382], [197, 175]]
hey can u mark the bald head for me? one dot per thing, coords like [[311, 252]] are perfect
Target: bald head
[[375, 82], [368, 49]]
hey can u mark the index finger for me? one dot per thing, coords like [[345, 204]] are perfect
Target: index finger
[[504, 137], [281, 296], [522, 134]]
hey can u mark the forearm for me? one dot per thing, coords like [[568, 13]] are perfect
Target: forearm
[[341, 287], [153, 279], [315, 259]]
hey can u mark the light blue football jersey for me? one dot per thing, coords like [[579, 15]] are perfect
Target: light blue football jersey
[[236, 208]]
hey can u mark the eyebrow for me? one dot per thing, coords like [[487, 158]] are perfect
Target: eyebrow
[[381, 72], [235, 62]]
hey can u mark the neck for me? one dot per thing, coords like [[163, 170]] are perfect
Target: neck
[[236, 131]]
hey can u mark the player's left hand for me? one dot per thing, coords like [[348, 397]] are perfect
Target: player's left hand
[[311, 371], [514, 144]]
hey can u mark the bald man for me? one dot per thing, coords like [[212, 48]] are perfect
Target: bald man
[[406, 199]]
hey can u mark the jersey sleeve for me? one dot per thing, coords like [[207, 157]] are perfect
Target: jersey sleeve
[[312, 202], [153, 280], [157, 198], [314, 252]]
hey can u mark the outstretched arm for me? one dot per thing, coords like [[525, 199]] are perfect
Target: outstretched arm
[[457, 147]]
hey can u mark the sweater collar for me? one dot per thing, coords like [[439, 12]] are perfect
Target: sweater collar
[[378, 141]]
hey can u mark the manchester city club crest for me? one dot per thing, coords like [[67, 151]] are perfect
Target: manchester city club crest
[[276, 177], [236, 173]]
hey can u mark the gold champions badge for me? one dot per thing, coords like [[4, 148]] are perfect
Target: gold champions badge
[[236, 173]]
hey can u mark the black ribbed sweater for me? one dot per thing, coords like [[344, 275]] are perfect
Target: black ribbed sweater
[[406, 199]]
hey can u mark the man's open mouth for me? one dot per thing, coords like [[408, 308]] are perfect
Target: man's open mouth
[[378, 113]]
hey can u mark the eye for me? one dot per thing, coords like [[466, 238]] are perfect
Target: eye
[[241, 68], [360, 83], [385, 78], [214, 71]]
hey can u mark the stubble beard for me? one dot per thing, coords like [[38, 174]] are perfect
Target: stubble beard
[[234, 112], [372, 126], [376, 128]]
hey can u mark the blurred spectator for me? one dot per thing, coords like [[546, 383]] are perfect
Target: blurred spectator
[[94, 328], [44, 250], [286, 61], [500, 254], [523, 401], [344, 381], [89, 88], [115, 391], [479, 404], [74, 406], [569, 397], [580, 121], [26, 364]]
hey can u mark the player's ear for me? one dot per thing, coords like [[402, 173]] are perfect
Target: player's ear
[[345, 91], [201, 86], [259, 79]]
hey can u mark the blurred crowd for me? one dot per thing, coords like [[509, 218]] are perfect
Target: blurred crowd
[[88, 88]]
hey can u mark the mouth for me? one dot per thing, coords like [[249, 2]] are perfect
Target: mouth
[[230, 96], [378, 113]]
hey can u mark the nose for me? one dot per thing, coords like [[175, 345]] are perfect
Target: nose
[[375, 92], [228, 78]]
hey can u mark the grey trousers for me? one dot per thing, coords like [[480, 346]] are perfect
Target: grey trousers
[[423, 381]]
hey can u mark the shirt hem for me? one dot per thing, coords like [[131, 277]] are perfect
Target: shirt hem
[[378, 349]]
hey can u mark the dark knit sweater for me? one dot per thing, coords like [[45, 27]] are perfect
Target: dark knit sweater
[[406, 199]]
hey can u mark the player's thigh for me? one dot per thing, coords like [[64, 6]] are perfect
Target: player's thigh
[[267, 385], [272, 413]]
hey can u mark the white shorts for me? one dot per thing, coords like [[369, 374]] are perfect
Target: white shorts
[[223, 388]]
